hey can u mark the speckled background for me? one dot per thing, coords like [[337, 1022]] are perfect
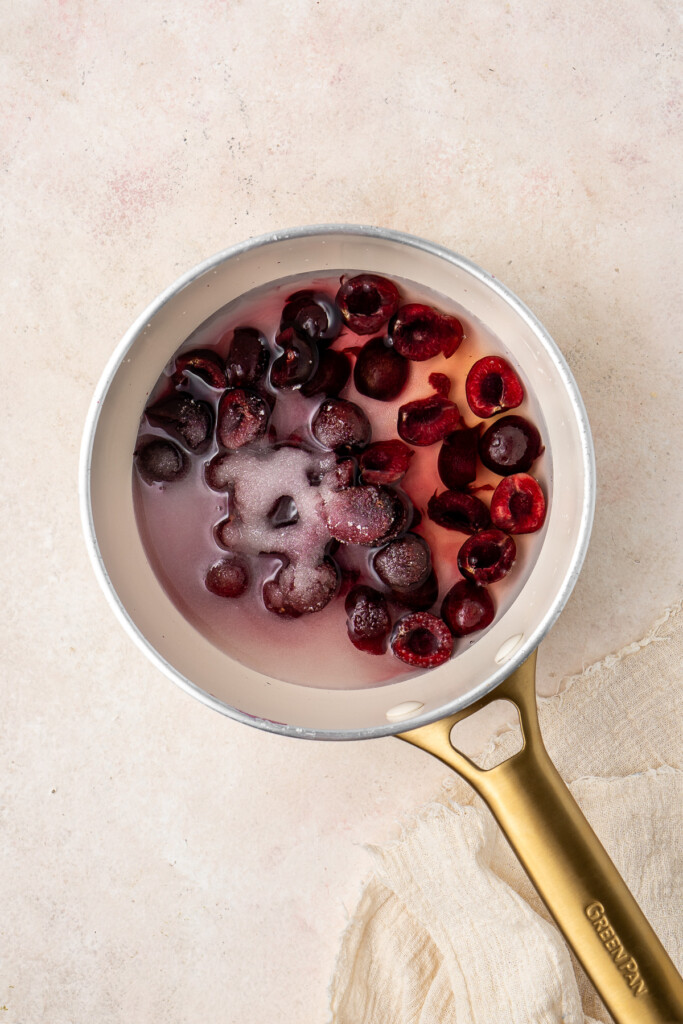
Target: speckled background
[[161, 863]]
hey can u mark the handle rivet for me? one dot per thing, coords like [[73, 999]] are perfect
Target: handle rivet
[[507, 649], [408, 707]]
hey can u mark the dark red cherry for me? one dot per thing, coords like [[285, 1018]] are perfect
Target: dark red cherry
[[340, 425], [441, 383], [160, 462], [420, 332], [380, 372], [510, 445], [228, 578], [453, 334], [224, 530], [334, 370], [427, 420], [246, 363], [301, 589], [204, 363], [242, 418], [518, 505], [297, 362], [218, 473], [403, 564], [487, 557], [367, 301], [467, 608], [313, 315], [384, 462], [493, 386], [341, 476], [456, 511], [422, 640], [404, 514], [190, 420], [368, 620], [365, 515], [421, 598], [457, 463]]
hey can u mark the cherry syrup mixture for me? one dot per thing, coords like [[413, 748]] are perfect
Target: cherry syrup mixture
[[325, 485]]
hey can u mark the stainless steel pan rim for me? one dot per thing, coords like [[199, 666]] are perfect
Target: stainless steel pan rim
[[530, 642]]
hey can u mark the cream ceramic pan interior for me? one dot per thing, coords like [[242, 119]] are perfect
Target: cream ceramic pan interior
[[143, 606]]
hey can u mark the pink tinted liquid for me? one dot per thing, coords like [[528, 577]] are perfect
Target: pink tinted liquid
[[177, 520]]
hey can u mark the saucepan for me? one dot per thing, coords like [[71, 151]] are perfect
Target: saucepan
[[563, 858]]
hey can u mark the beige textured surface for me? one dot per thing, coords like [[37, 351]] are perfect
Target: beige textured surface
[[161, 863]]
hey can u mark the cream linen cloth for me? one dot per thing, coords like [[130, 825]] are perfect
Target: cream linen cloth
[[450, 931]]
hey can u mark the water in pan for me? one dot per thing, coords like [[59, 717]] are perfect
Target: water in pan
[[183, 524]]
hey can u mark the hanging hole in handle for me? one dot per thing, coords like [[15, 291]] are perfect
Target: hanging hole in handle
[[489, 736]]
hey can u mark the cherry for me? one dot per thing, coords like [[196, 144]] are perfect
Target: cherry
[[403, 564], [160, 462], [385, 462], [367, 301], [427, 420], [340, 425], [467, 608], [404, 514], [342, 475], [421, 598], [457, 511], [217, 472], [422, 640], [242, 418], [510, 445], [492, 386], [297, 362], [365, 515], [453, 334], [301, 590], [284, 512], [457, 462], [487, 556], [368, 620], [311, 315], [441, 383], [380, 372], [334, 370], [189, 419], [228, 578], [204, 364], [248, 356], [420, 332], [518, 505]]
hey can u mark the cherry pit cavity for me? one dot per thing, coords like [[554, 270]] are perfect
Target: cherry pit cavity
[[315, 466]]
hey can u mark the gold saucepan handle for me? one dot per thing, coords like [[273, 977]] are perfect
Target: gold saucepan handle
[[566, 863]]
